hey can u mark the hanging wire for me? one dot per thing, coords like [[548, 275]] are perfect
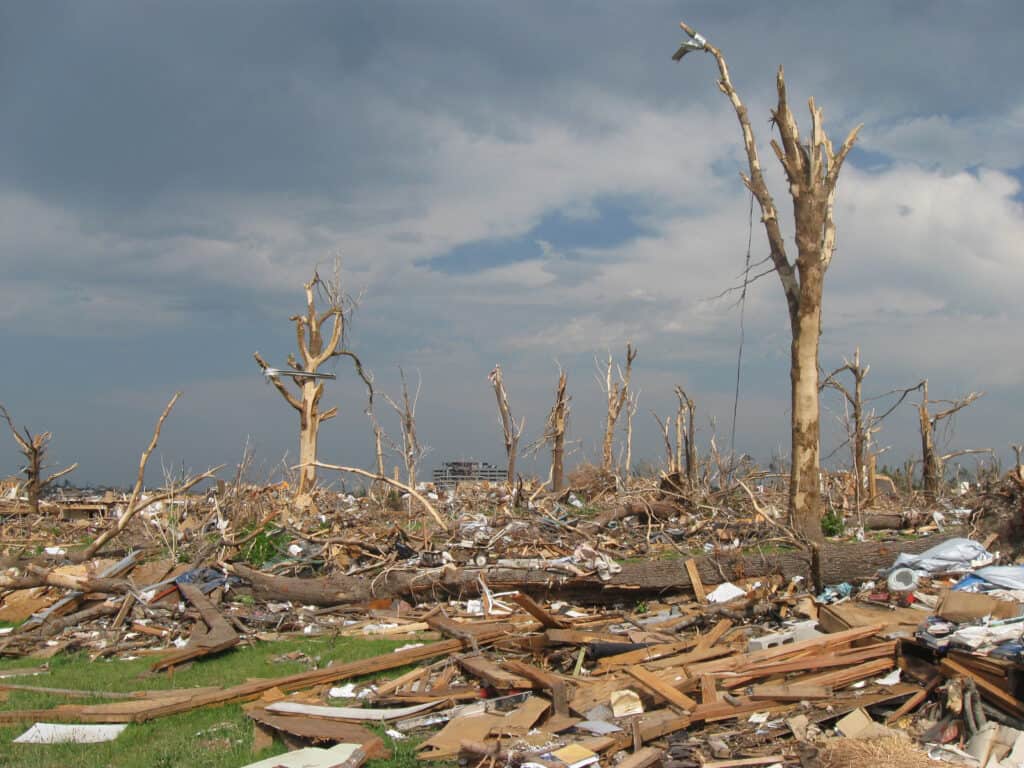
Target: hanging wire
[[743, 304]]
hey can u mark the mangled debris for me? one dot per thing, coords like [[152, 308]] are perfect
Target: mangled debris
[[578, 648]]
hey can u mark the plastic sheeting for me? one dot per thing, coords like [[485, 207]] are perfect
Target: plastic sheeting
[[1007, 576], [953, 555]]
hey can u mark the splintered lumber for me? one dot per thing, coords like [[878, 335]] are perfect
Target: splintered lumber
[[643, 758], [745, 761], [658, 686], [650, 653], [321, 729], [785, 692], [496, 677], [843, 677], [1004, 700], [219, 637], [546, 680], [529, 605], [695, 582], [916, 700], [717, 633], [149, 709]]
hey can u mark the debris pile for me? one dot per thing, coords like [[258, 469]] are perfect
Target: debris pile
[[637, 629]]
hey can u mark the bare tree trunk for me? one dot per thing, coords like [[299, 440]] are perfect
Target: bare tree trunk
[[556, 430], [932, 463], [670, 455], [412, 451], [812, 170], [511, 430], [314, 351], [689, 438], [632, 403], [33, 448], [617, 392]]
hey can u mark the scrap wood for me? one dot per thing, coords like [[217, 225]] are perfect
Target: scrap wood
[[790, 692], [745, 761], [320, 729], [916, 700], [695, 582], [546, 619], [493, 675], [144, 710], [645, 757], [662, 689], [219, 637], [952, 668], [546, 680]]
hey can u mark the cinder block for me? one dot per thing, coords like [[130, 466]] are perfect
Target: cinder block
[[770, 641]]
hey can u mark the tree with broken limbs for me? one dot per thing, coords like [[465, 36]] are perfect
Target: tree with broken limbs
[[812, 170], [314, 350]]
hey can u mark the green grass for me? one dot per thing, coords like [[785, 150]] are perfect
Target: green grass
[[212, 737]]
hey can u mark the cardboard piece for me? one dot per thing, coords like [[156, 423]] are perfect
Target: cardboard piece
[[968, 606]]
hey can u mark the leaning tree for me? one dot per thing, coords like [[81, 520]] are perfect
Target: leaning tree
[[812, 170], [314, 350]]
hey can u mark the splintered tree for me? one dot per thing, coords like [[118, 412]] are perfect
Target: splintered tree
[[412, 451], [33, 448], [812, 170], [617, 392], [511, 430], [686, 441], [860, 429], [933, 464], [314, 350], [555, 433]]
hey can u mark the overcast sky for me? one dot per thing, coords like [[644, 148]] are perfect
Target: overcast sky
[[529, 183]]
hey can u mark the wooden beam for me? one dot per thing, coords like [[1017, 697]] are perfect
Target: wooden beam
[[656, 685]]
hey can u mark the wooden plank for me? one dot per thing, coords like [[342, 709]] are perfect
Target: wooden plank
[[744, 761], [638, 656], [708, 692], [148, 710], [492, 674], [916, 700], [716, 634], [583, 637], [695, 582], [529, 605], [844, 677], [656, 685], [643, 758], [783, 692], [547, 680]]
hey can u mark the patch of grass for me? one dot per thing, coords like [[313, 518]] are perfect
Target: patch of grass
[[211, 737]]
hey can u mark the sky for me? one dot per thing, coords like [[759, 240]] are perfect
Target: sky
[[532, 184]]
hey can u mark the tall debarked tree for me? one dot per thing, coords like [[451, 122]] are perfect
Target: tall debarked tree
[[812, 170]]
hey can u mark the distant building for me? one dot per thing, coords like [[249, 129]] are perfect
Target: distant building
[[452, 472]]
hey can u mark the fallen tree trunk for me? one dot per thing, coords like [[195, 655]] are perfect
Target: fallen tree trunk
[[840, 562]]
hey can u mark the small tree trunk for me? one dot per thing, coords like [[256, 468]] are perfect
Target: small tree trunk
[[931, 463], [557, 429], [510, 429], [33, 471]]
